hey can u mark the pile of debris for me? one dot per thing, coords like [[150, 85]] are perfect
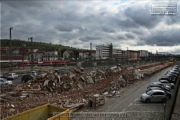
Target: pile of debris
[[154, 69], [53, 82], [70, 90]]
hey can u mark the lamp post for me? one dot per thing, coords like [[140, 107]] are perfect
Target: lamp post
[[23, 45], [127, 55], [32, 58], [10, 29]]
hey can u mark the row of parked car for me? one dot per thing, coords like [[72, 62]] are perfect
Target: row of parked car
[[6, 79], [161, 91]]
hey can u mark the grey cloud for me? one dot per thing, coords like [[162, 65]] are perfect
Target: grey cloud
[[66, 27], [141, 15], [120, 37], [130, 35], [163, 38], [108, 29], [139, 32], [123, 24], [24, 3], [89, 38], [71, 22]]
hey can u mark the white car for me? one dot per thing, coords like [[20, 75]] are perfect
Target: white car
[[34, 73], [3, 81], [12, 76]]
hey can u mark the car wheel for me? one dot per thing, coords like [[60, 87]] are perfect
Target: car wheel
[[164, 100], [147, 100]]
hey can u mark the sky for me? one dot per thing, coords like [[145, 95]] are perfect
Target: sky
[[77, 23]]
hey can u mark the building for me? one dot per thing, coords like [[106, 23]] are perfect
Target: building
[[131, 55], [117, 55], [144, 55], [44, 55], [68, 54], [104, 51]]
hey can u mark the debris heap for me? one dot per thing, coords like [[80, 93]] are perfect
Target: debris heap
[[71, 90]]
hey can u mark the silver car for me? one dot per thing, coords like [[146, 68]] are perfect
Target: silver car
[[12, 76], [166, 82], [3, 81], [34, 73], [162, 84], [154, 96]]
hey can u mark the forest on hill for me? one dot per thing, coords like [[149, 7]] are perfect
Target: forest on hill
[[20, 43]]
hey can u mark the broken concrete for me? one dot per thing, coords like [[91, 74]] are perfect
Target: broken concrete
[[73, 90]]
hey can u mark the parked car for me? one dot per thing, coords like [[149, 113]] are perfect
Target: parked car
[[171, 75], [154, 96], [168, 78], [34, 73], [174, 72], [166, 82], [26, 78], [3, 76], [81, 69], [175, 69], [167, 91], [118, 65], [4, 81], [12, 76], [160, 84]]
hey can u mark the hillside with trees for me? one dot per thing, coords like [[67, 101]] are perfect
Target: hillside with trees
[[20, 43]]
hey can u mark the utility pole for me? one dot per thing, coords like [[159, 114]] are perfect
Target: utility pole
[[23, 46], [122, 56], [10, 29], [127, 55], [32, 57]]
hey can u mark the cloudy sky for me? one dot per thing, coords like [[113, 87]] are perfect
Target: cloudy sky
[[77, 23]]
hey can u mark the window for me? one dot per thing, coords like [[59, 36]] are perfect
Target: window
[[158, 93]]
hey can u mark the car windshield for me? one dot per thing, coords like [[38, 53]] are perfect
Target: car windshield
[[149, 92]]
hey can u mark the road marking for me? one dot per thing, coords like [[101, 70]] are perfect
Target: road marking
[[144, 111], [127, 107], [137, 99], [130, 104], [123, 110], [150, 104]]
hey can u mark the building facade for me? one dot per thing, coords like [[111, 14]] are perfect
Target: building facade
[[104, 51]]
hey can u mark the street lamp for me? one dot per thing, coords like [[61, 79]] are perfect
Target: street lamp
[[23, 46], [127, 55], [10, 29], [32, 59]]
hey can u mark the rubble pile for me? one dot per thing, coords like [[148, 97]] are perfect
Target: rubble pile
[[72, 90], [19, 102], [146, 66], [53, 82], [154, 69]]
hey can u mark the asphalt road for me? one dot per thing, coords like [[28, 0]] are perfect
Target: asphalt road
[[129, 101]]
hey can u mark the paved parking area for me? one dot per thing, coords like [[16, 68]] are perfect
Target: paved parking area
[[138, 110], [129, 102]]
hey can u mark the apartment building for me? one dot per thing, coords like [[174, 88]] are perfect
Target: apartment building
[[104, 51]]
